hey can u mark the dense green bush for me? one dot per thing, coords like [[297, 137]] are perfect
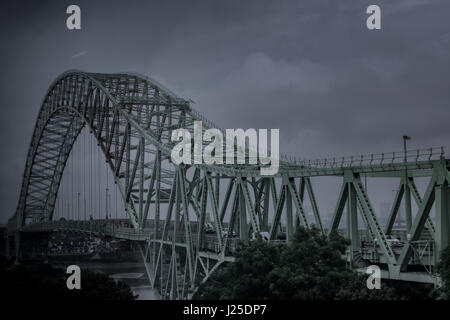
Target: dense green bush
[[443, 269], [311, 267]]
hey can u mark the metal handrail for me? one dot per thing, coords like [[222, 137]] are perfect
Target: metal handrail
[[397, 157]]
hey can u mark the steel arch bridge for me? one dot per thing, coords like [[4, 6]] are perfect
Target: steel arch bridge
[[132, 118]]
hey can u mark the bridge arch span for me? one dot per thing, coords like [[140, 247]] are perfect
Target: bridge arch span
[[132, 118], [74, 100]]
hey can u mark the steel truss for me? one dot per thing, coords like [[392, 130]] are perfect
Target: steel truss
[[132, 118]]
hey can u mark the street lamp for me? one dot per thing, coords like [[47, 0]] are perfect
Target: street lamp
[[404, 145], [407, 192]]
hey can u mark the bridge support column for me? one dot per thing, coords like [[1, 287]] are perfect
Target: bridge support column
[[352, 222], [408, 213], [442, 205], [265, 222], [243, 230], [7, 248], [289, 223], [17, 246]]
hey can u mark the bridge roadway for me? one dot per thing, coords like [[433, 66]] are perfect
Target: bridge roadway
[[122, 229]]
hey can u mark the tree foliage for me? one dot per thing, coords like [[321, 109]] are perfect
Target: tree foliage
[[44, 282], [443, 269], [310, 267]]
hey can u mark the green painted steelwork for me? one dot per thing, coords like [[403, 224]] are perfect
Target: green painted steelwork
[[132, 118]]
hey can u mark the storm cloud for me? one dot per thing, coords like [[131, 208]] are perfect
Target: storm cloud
[[310, 68]]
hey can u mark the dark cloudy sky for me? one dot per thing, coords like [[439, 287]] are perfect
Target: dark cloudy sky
[[310, 68]]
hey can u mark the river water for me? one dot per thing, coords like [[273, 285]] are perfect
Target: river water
[[132, 273]]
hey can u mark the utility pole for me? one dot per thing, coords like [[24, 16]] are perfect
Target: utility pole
[[407, 191]]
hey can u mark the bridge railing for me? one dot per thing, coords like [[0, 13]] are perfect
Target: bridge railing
[[384, 158]]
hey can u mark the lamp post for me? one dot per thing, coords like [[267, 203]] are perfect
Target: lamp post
[[407, 191], [404, 146]]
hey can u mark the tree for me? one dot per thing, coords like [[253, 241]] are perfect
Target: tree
[[310, 267], [443, 269], [44, 282]]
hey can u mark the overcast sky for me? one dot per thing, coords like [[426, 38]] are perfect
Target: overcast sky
[[310, 68]]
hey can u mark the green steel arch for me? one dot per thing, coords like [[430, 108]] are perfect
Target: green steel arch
[[132, 118], [76, 99]]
